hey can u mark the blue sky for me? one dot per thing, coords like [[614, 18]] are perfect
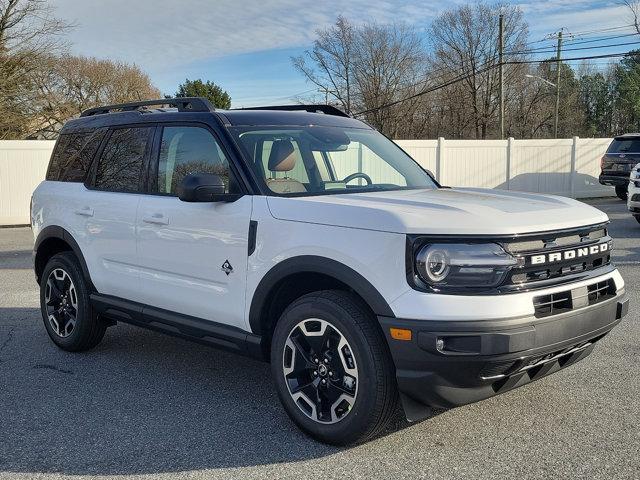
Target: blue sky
[[245, 45]]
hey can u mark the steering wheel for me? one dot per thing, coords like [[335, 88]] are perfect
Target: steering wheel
[[366, 177]]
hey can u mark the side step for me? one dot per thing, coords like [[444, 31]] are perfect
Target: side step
[[202, 331]]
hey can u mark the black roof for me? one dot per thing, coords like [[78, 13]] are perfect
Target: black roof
[[290, 118], [196, 109]]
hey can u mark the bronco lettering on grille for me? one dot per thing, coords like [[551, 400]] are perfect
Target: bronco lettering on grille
[[569, 254]]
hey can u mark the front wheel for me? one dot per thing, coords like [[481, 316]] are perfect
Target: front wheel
[[622, 192], [332, 368]]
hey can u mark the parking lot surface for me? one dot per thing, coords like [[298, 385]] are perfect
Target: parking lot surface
[[145, 405]]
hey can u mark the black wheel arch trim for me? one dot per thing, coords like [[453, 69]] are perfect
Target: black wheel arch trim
[[54, 231], [318, 265]]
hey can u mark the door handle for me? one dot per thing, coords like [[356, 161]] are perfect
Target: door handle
[[156, 219], [85, 212]]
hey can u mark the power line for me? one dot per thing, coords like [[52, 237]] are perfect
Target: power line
[[584, 34], [619, 27], [485, 69], [549, 60], [611, 45], [489, 65], [546, 49], [446, 70], [601, 38]]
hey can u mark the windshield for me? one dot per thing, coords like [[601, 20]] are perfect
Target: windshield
[[314, 160]]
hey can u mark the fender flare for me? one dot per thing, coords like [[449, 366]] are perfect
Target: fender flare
[[54, 231], [314, 264]]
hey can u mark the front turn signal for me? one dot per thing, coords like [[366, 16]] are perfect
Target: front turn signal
[[400, 334]]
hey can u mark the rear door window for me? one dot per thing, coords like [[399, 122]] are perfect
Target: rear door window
[[121, 164], [73, 154]]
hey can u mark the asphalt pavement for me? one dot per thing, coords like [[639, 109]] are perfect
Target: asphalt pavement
[[144, 405]]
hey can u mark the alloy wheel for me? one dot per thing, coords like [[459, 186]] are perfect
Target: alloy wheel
[[320, 371], [61, 302]]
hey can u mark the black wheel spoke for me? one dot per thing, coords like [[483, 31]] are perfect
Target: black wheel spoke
[[55, 289], [302, 349], [53, 301], [339, 388]]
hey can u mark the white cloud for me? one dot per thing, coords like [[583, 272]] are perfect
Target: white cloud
[[154, 33], [574, 16], [172, 39]]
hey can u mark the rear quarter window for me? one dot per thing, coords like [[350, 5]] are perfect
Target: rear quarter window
[[73, 154]]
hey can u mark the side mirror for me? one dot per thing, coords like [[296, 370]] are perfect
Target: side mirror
[[204, 187]]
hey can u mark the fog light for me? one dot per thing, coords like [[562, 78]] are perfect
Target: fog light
[[440, 344]]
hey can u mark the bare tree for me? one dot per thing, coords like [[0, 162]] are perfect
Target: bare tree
[[465, 41], [28, 32], [389, 66], [68, 85], [634, 7], [331, 62], [361, 68]]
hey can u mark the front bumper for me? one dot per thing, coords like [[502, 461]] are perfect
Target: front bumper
[[614, 180], [479, 359]]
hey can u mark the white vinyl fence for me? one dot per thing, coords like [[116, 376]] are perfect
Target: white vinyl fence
[[568, 167], [23, 164]]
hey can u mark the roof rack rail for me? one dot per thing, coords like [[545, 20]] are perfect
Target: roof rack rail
[[183, 104], [326, 109]]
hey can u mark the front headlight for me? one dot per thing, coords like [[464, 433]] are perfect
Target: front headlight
[[445, 266]]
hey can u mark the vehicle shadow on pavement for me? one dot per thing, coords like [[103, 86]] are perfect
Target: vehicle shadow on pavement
[[139, 403]]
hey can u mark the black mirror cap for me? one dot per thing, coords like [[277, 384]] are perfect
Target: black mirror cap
[[204, 187]]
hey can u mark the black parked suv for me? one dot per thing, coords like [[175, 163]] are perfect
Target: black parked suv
[[622, 155]]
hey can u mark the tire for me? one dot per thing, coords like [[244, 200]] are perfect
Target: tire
[[622, 192], [637, 218], [364, 408], [68, 300]]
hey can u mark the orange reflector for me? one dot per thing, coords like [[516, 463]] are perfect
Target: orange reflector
[[400, 333]]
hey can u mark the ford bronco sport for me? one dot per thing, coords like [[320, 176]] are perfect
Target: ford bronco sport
[[303, 237]]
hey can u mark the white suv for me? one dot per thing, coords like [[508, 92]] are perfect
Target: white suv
[[633, 198], [303, 237]]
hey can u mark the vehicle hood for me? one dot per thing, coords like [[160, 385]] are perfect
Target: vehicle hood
[[444, 211]]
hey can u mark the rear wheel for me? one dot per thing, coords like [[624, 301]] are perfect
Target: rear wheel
[[621, 192], [64, 302], [332, 369]]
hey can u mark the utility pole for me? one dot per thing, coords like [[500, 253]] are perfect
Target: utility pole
[[558, 64], [501, 66], [326, 92]]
